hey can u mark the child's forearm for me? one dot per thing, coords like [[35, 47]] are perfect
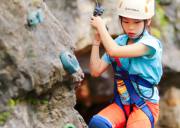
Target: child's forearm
[[107, 41], [94, 59], [133, 50]]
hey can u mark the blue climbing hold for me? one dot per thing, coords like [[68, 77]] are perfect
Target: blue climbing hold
[[69, 62], [35, 17]]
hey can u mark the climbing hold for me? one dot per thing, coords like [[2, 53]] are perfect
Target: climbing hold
[[37, 3], [69, 125], [69, 62], [35, 17]]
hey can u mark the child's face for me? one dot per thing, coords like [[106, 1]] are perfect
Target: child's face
[[132, 27]]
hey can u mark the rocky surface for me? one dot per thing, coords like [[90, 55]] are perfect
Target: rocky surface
[[170, 33], [36, 92], [75, 15], [29, 62], [170, 109]]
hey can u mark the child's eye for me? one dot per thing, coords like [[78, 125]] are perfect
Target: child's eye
[[125, 21], [137, 22]]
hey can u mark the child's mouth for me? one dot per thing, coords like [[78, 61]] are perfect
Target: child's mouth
[[131, 34]]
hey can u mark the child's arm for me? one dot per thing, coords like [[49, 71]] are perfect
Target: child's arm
[[112, 48], [97, 65]]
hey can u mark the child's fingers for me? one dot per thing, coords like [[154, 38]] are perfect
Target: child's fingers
[[92, 22]]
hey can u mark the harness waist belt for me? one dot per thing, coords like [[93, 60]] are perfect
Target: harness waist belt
[[135, 78]]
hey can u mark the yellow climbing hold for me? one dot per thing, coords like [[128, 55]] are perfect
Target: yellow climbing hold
[[37, 3]]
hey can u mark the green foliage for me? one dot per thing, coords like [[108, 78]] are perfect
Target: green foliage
[[160, 20], [4, 116], [160, 16], [158, 1], [156, 32], [13, 102], [37, 101], [29, 99]]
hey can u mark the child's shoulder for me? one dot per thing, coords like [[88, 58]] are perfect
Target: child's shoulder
[[151, 40], [148, 36]]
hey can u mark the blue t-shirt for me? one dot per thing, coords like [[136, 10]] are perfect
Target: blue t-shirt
[[148, 67]]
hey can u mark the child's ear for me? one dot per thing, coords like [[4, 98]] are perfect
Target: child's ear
[[148, 22]]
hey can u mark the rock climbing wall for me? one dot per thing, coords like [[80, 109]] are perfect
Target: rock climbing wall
[[34, 91], [76, 16]]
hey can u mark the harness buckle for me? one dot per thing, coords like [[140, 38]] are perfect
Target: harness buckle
[[118, 75]]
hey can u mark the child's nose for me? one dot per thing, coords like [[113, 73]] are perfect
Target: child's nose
[[131, 26]]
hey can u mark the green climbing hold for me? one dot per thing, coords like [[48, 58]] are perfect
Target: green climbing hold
[[69, 125], [35, 17], [69, 61]]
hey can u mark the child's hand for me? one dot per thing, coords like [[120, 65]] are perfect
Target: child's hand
[[97, 22]]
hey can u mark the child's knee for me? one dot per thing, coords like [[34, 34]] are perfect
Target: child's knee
[[99, 122], [139, 124]]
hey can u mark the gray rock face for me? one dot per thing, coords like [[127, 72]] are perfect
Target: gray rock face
[[170, 108], [56, 114], [30, 53], [29, 61], [165, 2], [170, 34], [75, 15], [29, 58]]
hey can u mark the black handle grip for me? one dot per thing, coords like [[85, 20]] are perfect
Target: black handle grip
[[98, 11]]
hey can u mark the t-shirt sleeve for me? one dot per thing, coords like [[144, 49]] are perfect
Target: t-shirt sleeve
[[106, 58], [153, 44]]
